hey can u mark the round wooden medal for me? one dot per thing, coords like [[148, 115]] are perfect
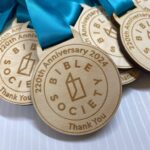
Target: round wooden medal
[[96, 29], [17, 60], [73, 89], [129, 76], [135, 36]]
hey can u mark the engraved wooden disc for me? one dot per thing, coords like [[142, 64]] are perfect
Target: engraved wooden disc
[[144, 4], [135, 36], [129, 76], [73, 89], [96, 29], [17, 60]]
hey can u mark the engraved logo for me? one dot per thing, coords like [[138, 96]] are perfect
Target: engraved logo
[[75, 88], [26, 65], [17, 65], [103, 33], [96, 29], [77, 97], [135, 37]]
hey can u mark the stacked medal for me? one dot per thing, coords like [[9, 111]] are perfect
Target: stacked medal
[[71, 63]]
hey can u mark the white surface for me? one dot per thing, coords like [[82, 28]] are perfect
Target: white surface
[[21, 128]]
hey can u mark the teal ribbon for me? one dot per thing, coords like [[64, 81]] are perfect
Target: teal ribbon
[[10, 8], [52, 21], [118, 7], [22, 12], [7, 8]]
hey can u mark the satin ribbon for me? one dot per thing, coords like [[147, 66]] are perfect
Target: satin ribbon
[[7, 8], [118, 7], [10, 8], [52, 21], [22, 12]]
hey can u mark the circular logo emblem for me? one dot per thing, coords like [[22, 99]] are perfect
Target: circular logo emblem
[[72, 89], [144, 4], [135, 35], [17, 61], [129, 76], [79, 99], [96, 28]]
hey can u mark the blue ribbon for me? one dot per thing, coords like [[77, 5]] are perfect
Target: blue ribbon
[[118, 7], [52, 21], [7, 8], [10, 8], [22, 12]]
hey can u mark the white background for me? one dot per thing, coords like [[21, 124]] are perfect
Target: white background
[[22, 129]]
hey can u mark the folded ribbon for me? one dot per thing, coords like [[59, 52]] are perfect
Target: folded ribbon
[[22, 12], [7, 8], [52, 21], [10, 8]]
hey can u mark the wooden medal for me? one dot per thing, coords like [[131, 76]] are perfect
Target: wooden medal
[[18, 58], [95, 28], [135, 36], [73, 88]]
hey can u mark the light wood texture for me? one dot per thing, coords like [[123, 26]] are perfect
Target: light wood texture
[[144, 4], [73, 88], [135, 36], [95, 28], [18, 58]]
